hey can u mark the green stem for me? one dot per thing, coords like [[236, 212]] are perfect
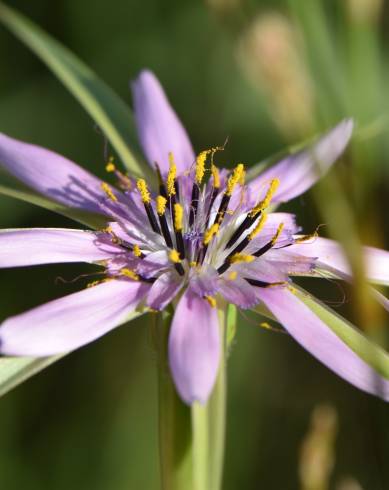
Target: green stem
[[192, 440], [175, 432]]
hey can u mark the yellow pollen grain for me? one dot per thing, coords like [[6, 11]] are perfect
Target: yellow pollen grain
[[267, 199], [178, 217], [110, 167], [234, 179], [216, 177], [161, 205], [278, 233], [130, 274], [136, 250], [210, 233], [200, 165], [174, 256], [107, 189], [192, 264], [144, 192], [211, 300], [259, 227], [240, 258], [232, 276], [108, 229], [171, 177]]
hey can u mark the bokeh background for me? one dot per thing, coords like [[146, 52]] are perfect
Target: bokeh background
[[267, 74]]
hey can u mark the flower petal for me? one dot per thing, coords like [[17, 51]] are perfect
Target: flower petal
[[318, 339], [238, 291], [298, 172], [164, 290], [159, 129], [194, 348], [51, 174], [23, 247], [72, 321], [330, 257]]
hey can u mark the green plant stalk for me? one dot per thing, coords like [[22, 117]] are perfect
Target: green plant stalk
[[175, 426], [191, 439]]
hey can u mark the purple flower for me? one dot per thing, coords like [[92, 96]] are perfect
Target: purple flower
[[204, 238]]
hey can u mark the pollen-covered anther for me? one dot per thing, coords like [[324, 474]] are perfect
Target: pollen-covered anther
[[178, 217], [267, 199], [171, 176], [216, 176], [161, 205], [108, 191], [211, 300], [305, 238], [234, 179], [200, 165], [210, 233], [129, 273], [144, 191], [137, 251], [241, 258], [258, 228], [277, 234], [174, 256]]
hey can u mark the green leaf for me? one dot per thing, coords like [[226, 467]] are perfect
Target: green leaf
[[15, 370], [370, 352], [13, 188], [107, 109]]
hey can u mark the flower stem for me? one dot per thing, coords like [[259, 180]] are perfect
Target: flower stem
[[192, 440], [175, 431]]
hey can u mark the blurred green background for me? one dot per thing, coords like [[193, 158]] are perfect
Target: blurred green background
[[266, 74]]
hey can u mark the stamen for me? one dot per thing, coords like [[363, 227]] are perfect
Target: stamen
[[200, 166], [178, 214], [231, 183], [259, 227], [174, 256], [210, 233], [144, 192], [234, 178], [267, 199], [211, 300], [107, 189], [263, 284], [129, 273], [137, 252], [146, 199], [241, 258], [171, 177], [216, 176], [178, 217], [272, 242], [161, 202]]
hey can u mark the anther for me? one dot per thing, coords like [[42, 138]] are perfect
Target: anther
[[271, 243], [129, 273], [161, 203], [174, 257], [146, 199], [210, 233], [211, 301], [178, 214], [137, 251], [107, 189]]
